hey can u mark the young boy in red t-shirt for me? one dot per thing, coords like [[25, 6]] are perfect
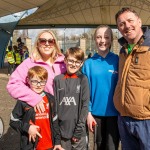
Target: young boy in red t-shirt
[[39, 131]]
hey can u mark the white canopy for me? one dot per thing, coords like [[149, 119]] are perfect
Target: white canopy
[[55, 13]]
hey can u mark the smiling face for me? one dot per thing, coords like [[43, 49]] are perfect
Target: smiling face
[[103, 39], [72, 64], [129, 26], [36, 84], [46, 48]]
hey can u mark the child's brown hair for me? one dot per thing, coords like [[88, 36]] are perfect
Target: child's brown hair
[[24, 48], [38, 71], [75, 52]]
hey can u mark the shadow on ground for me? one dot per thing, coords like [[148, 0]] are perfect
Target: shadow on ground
[[4, 69], [10, 140]]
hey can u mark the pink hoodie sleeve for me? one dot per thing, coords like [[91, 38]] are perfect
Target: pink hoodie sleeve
[[17, 85]]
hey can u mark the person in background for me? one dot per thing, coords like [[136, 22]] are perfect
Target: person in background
[[10, 56], [46, 53], [38, 130], [102, 73], [62, 51], [25, 53], [90, 55], [17, 56], [72, 97], [132, 93], [20, 45], [15, 48]]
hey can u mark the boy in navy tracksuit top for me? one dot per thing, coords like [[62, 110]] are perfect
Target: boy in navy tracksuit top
[[72, 96], [39, 131]]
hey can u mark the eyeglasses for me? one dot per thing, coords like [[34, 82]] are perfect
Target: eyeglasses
[[43, 41], [36, 82], [77, 63]]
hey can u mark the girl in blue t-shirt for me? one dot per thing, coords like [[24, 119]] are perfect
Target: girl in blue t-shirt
[[102, 72]]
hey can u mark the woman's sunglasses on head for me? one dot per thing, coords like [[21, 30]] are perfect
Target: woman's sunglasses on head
[[43, 41]]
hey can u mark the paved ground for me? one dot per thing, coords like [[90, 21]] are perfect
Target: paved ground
[[10, 138]]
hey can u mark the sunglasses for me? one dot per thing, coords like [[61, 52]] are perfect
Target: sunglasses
[[43, 41]]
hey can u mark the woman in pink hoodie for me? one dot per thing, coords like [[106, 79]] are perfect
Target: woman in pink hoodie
[[46, 53]]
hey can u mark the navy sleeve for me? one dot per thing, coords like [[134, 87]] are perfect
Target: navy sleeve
[[16, 118]]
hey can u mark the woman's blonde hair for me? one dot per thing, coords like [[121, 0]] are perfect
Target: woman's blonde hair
[[36, 54]]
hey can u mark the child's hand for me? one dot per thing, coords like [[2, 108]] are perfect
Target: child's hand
[[40, 107], [90, 122], [75, 139], [58, 147], [33, 132]]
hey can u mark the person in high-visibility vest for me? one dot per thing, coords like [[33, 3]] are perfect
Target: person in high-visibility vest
[[10, 59], [17, 56]]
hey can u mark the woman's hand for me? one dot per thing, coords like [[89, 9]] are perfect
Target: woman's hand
[[33, 132], [58, 147], [40, 107], [90, 121]]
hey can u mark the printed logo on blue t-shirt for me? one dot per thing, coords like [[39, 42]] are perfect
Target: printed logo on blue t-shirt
[[113, 71]]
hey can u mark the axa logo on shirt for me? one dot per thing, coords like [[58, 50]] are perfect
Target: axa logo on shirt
[[68, 101]]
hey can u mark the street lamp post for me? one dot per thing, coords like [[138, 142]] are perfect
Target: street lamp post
[[64, 38], [90, 42]]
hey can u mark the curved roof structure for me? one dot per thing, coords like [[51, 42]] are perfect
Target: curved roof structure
[[8, 7], [70, 13]]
